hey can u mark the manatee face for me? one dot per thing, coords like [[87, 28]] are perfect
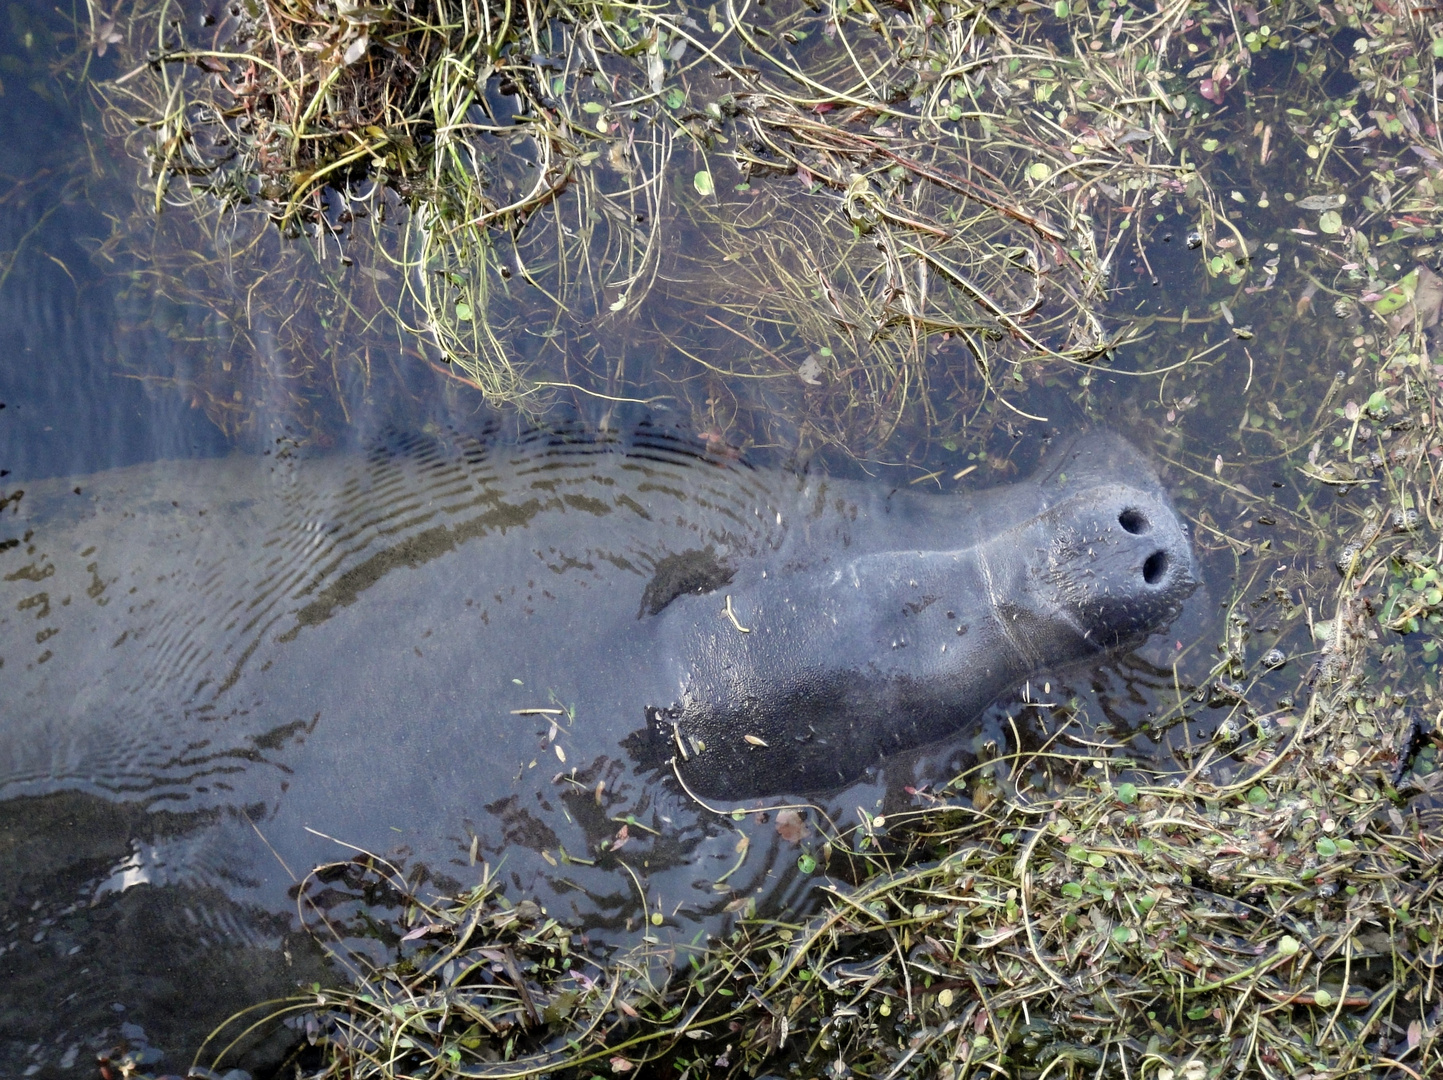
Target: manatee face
[[1119, 563]]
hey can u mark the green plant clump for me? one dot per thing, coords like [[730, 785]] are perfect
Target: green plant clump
[[867, 217]]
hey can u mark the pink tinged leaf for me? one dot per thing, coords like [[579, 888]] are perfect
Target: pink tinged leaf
[[790, 826]]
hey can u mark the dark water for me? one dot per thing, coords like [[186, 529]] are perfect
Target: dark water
[[146, 920], [67, 406]]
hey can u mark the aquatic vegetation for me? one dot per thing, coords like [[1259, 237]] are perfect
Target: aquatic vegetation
[[849, 216]]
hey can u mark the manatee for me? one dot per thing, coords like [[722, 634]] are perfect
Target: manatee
[[456, 651]]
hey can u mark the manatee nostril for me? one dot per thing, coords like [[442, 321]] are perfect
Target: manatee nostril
[[1154, 567], [1133, 521]]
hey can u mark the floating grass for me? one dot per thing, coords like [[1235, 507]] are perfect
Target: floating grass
[[857, 217]]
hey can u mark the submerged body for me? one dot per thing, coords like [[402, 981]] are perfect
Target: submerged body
[[455, 654]]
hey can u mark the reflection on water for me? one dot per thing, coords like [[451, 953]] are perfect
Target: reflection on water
[[67, 406]]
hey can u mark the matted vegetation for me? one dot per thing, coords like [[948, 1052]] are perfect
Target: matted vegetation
[[856, 214]]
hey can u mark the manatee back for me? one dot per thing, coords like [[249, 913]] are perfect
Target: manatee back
[[145, 620]]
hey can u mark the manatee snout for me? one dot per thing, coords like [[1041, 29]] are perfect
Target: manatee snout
[[1122, 563]]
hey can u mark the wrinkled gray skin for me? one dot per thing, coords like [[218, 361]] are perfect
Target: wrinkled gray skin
[[211, 672], [926, 612]]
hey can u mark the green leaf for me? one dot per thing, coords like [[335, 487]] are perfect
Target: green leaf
[[806, 863], [1062, 9], [1072, 890], [1038, 171], [1288, 945], [593, 107], [1258, 795], [1197, 1012], [463, 311], [674, 98], [1322, 998], [1123, 934], [1326, 848], [1210, 145], [703, 183], [1330, 222], [954, 113], [1127, 793], [1397, 296]]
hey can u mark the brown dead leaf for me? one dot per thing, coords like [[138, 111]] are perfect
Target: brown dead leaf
[[791, 827]]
